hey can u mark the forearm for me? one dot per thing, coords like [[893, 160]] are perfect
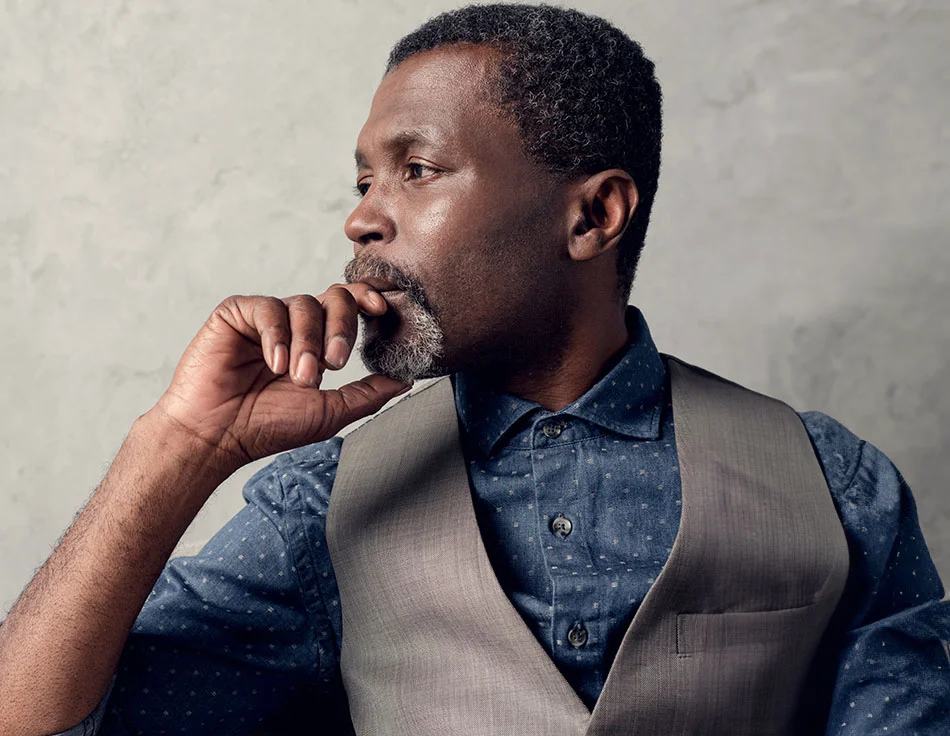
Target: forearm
[[61, 642]]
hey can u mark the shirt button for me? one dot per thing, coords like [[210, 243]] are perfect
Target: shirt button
[[577, 635], [552, 429], [561, 526]]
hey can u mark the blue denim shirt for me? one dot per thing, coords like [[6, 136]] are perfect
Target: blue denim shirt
[[248, 630]]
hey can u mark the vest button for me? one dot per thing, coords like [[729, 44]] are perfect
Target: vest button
[[552, 429], [561, 526], [577, 635]]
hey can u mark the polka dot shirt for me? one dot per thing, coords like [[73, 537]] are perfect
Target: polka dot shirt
[[578, 509]]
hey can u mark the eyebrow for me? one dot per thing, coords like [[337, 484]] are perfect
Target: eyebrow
[[400, 141]]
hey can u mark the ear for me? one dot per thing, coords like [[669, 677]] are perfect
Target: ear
[[603, 205]]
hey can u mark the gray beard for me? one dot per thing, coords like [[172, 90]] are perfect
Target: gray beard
[[406, 346]]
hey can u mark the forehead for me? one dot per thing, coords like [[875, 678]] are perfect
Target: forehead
[[436, 98]]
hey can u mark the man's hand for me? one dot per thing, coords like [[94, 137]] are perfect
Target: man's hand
[[231, 401], [247, 386]]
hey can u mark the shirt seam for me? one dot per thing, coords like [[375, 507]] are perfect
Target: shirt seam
[[857, 465], [309, 603]]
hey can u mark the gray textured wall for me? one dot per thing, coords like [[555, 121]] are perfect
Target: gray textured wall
[[158, 156]]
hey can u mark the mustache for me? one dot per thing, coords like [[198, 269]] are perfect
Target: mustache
[[361, 268], [358, 270]]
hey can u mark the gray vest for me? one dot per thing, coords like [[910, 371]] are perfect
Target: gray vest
[[721, 644]]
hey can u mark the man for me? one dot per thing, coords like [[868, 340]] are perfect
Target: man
[[528, 543]]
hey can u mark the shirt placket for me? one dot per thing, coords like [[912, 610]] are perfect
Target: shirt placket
[[575, 614]]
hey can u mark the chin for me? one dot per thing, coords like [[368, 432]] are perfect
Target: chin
[[407, 346]]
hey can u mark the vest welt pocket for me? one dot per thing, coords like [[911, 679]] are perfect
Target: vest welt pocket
[[701, 632]]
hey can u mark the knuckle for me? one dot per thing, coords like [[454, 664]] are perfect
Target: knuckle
[[270, 314], [271, 304], [341, 291], [229, 304], [304, 307], [229, 312]]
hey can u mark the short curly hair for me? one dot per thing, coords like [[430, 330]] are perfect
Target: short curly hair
[[582, 93]]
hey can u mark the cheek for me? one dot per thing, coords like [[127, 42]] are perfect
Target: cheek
[[428, 218], [431, 225], [461, 207], [471, 247]]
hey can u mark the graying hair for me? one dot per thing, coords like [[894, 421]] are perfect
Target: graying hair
[[582, 93]]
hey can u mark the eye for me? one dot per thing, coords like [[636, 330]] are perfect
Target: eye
[[360, 189], [415, 165]]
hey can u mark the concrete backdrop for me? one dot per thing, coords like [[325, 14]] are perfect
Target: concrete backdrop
[[156, 157]]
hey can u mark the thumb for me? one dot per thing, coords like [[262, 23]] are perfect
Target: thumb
[[358, 399]]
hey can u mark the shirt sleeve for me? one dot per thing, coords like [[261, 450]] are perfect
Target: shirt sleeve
[[887, 659], [229, 638], [92, 723]]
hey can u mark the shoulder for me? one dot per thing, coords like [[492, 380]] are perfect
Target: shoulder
[[875, 503], [839, 450], [297, 480], [892, 568], [861, 477]]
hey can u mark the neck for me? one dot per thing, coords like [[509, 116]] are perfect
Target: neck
[[557, 377]]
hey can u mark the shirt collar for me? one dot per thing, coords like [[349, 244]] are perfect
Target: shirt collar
[[627, 400]]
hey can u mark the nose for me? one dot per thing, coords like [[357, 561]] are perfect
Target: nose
[[369, 222]]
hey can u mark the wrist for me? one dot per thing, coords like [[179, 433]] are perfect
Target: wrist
[[174, 440]]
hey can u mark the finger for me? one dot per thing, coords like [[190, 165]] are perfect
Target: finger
[[358, 399], [342, 303], [268, 316], [367, 298], [371, 301], [306, 339]]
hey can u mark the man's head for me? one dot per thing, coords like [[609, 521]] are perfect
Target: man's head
[[507, 169]]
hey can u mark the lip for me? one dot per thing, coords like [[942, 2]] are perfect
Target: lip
[[396, 301], [392, 294]]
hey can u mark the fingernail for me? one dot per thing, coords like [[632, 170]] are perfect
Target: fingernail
[[402, 390], [337, 351], [279, 361], [307, 369]]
